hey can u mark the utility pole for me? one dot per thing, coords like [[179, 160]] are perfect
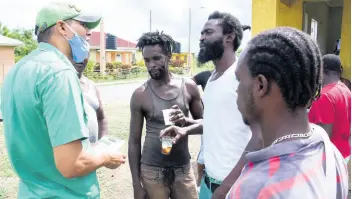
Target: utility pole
[[150, 20], [189, 40], [102, 48]]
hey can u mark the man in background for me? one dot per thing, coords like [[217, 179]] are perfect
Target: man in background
[[93, 106], [332, 110], [201, 79]]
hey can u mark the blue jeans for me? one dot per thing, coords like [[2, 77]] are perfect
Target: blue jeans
[[204, 192]]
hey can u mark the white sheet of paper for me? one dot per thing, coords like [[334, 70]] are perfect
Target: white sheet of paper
[[108, 143], [166, 115]]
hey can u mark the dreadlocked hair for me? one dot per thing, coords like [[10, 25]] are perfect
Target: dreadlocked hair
[[290, 58], [246, 27], [230, 24], [153, 38]]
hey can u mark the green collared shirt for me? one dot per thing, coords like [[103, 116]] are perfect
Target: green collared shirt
[[42, 107]]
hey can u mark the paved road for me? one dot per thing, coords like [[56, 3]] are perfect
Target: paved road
[[118, 92]]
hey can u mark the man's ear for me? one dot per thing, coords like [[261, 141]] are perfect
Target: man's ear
[[262, 85], [61, 28], [230, 38]]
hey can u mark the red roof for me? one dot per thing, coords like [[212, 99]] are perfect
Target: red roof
[[95, 39], [124, 43], [121, 43]]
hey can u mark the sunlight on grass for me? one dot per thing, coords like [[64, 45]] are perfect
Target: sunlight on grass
[[5, 166]]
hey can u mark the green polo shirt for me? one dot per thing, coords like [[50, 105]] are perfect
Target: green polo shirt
[[42, 107]]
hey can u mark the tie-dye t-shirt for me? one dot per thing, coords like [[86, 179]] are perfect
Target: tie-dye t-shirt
[[290, 170]]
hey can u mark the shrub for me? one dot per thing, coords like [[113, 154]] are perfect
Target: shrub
[[90, 66], [140, 63], [172, 69], [143, 69], [177, 63], [125, 66], [117, 64], [208, 65], [109, 66], [136, 69], [97, 67], [176, 70]]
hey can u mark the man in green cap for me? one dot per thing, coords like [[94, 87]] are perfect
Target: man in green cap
[[44, 120]]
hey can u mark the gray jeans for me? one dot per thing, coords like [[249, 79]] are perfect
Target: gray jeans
[[182, 187]]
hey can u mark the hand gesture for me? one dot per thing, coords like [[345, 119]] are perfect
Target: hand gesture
[[177, 117], [115, 159], [175, 132]]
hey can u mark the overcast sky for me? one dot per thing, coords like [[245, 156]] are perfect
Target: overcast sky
[[128, 19]]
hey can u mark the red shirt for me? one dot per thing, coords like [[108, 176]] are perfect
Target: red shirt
[[334, 107]]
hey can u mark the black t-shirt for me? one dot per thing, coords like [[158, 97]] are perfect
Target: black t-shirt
[[202, 78]]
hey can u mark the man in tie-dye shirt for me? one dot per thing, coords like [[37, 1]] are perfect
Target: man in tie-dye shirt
[[280, 74]]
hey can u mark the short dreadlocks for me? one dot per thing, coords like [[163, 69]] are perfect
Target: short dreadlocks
[[152, 38]]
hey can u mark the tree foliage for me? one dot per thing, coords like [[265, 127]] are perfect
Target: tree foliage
[[4, 30], [24, 35]]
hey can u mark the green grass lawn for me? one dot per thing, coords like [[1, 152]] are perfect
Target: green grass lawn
[[5, 168], [7, 189]]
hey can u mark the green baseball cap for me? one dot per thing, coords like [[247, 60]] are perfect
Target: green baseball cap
[[55, 11]]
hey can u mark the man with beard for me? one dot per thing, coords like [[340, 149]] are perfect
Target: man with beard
[[202, 80], [280, 73], [93, 106], [225, 136], [155, 175]]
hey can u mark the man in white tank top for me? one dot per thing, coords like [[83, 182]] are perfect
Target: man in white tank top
[[97, 122], [225, 136]]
